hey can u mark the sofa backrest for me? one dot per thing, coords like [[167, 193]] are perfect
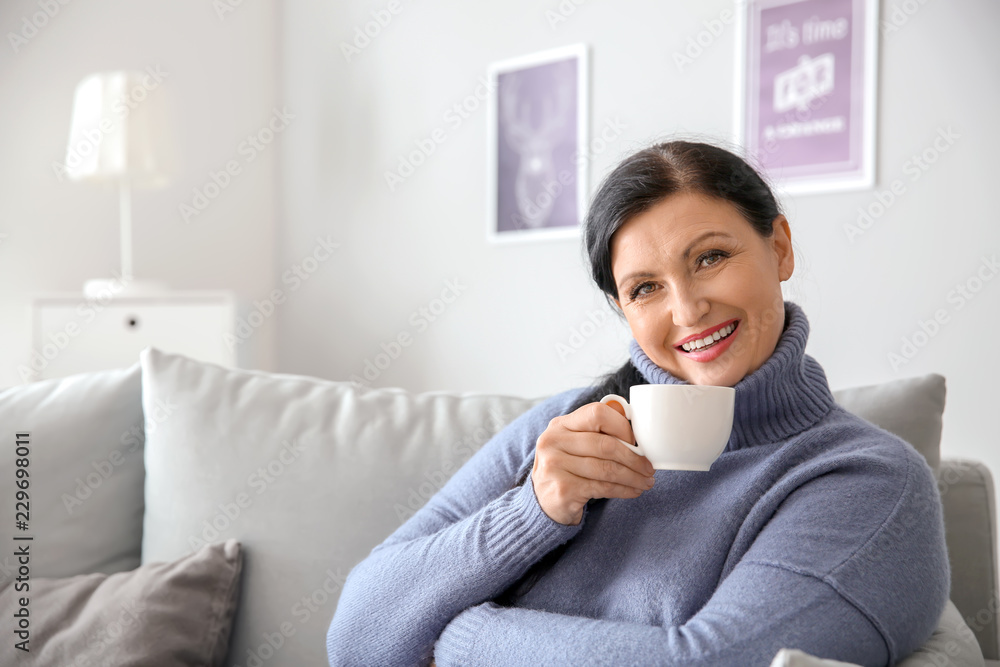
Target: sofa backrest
[[311, 474]]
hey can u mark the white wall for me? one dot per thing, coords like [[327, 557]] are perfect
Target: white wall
[[398, 248], [220, 74]]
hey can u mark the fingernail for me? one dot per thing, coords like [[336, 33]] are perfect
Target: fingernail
[[649, 482]]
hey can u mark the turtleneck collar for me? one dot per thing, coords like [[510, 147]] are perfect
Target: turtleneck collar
[[785, 396]]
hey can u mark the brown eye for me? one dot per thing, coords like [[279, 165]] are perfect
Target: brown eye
[[716, 254], [637, 290]]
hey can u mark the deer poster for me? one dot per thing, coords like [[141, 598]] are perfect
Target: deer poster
[[537, 140]]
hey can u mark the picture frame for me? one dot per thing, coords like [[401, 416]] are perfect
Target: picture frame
[[806, 82], [537, 136]]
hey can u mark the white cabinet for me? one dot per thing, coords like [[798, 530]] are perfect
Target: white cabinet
[[73, 334]]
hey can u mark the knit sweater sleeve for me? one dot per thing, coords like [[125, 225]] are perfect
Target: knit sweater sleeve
[[756, 611], [472, 539], [852, 566]]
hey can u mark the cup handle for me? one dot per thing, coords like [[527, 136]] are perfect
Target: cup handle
[[615, 398]]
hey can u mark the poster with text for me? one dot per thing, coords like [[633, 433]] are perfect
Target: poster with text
[[807, 98]]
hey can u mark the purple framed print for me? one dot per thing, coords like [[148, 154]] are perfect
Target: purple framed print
[[537, 133], [806, 92]]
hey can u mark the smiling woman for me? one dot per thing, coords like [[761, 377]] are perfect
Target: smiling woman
[[690, 266], [554, 544]]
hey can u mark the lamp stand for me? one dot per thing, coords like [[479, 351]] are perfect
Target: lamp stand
[[125, 285]]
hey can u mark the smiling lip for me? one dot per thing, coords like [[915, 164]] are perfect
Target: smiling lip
[[707, 354], [706, 332]]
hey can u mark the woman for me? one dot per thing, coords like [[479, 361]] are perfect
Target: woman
[[555, 544]]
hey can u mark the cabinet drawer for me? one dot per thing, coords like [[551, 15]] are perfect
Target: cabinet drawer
[[77, 336]]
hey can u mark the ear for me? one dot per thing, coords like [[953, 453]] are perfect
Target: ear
[[781, 242]]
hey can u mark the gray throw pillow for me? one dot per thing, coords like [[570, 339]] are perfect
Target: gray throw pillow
[[164, 614], [85, 472], [911, 408]]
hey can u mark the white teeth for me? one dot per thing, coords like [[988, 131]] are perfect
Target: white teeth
[[708, 340]]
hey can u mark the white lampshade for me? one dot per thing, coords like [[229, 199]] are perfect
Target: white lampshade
[[118, 130]]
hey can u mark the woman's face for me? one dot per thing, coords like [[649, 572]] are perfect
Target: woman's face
[[692, 265]]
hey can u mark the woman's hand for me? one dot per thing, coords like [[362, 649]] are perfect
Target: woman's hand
[[578, 458]]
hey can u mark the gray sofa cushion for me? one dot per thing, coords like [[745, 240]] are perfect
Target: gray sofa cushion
[[967, 495], [911, 408], [164, 614], [86, 472]]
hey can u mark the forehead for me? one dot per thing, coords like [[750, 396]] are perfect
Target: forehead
[[667, 228]]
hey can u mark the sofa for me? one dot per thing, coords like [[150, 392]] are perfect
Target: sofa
[[185, 513]]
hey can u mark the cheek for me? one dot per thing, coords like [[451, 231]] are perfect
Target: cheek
[[651, 328]]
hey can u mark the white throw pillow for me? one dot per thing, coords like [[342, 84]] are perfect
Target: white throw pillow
[[85, 472], [308, 474]]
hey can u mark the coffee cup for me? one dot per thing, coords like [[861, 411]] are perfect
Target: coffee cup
[[678, 426]]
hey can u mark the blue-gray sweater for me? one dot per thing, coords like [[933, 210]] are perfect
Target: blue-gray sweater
[[814, 530]]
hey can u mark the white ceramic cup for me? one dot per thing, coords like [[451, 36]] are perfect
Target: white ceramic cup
[[678, 426]]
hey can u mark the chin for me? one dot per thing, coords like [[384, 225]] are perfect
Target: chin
[[726, 375]]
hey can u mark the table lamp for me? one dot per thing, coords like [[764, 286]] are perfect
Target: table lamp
[[117, 134]]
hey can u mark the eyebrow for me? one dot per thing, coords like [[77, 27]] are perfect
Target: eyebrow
[[684, 256]]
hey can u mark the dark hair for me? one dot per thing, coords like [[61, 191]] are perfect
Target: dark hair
[[638, 183]]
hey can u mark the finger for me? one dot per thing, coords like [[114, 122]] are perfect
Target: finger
[[593, 488], [604, 446], [599, 418], [605, 470], [602, 418]]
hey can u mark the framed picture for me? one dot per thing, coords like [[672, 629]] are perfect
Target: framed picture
[[805, 98], [537, 133]]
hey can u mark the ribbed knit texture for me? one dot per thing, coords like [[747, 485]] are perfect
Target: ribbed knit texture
[[785, 396], [814, 530]]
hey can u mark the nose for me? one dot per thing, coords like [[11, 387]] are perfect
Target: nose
[[688, 308]]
